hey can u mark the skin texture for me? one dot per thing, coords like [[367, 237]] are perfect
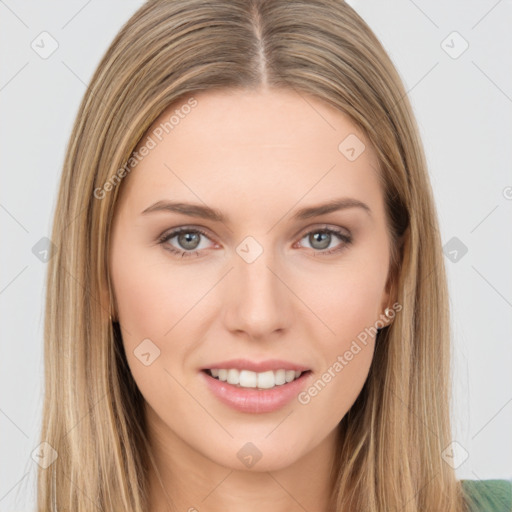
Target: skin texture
[[257, 157]]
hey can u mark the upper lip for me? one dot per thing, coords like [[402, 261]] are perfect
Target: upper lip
[[257, 366]]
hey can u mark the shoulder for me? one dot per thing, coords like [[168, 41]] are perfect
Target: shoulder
[[488, 495]]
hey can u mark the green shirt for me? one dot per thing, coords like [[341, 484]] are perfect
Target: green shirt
[[488, 495]]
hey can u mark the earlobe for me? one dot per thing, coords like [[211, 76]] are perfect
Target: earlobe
[[108, 303], [390, 314], [389, 298]]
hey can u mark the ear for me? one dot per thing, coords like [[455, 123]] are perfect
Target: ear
[[390, 295], [107, 300]]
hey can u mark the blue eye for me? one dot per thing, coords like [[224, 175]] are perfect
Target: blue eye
[[189, 239], [323, 241]]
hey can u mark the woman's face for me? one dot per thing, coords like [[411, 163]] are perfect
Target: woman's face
[[253, 284]]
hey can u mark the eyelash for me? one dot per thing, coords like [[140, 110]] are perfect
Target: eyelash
[[346, 239]]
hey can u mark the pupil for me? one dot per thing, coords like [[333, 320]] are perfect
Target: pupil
[[324, 238], [188, 240]]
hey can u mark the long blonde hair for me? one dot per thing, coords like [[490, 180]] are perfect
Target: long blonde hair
[[391, 440]]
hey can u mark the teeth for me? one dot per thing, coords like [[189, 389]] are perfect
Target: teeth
[[248, 379], [280, 377], [233, 377]]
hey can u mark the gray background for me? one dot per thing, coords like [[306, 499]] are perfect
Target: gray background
[[463, 106]]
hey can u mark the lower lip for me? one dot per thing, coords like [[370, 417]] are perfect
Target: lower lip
[[253, 400]]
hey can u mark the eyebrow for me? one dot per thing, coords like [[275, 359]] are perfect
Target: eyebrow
[[205, 212]]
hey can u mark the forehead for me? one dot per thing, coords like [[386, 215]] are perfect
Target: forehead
[[260, 146], [269, 118]]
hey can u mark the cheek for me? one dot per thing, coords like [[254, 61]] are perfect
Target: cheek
[[152, 295], [159, 302], [346, 355], [152, 301], [348, 299], [348, 303]]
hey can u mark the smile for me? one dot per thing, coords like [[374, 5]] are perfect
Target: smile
[[263, 392], [250, 379]]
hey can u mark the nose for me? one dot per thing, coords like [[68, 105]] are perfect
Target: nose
[[258, 301]]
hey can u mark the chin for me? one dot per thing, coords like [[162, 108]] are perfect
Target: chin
[[258, 453]]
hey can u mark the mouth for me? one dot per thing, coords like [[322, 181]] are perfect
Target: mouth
[[248, 379], [253, 392]]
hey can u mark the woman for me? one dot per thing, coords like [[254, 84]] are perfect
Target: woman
[[248, 307]]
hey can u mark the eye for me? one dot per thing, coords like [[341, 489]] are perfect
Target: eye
[[188, 241], [321, 239], [187, 238]]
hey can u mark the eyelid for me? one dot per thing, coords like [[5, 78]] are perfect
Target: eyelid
[[302, 232], [342, 233], [338, 231], [324, 226], [171, 233]]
